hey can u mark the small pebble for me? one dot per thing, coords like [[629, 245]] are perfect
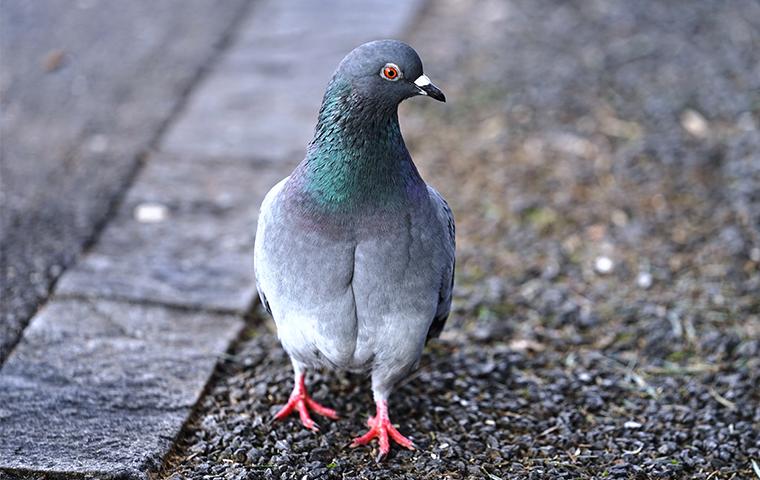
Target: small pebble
[[644, 280], [53, 60], [603, 265], [694, 123], [151, 213]]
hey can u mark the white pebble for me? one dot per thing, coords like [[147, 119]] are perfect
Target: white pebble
[[603, 265], [644, 280], [631, 424], [694, 123], [151, 213]]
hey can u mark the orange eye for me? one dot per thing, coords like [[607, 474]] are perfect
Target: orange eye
[[390, 72]]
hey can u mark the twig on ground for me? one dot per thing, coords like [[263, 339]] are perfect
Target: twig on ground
[[722, 400]]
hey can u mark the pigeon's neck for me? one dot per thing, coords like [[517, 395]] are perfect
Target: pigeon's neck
[[357, 157]]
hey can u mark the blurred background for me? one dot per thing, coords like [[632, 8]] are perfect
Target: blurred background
[[602, 159], [605, 166]]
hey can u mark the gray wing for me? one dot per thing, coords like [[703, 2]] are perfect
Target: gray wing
[[265, 206], [447, 284]]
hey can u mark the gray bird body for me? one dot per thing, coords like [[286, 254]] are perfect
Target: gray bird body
[[354, 253], [361, 293]]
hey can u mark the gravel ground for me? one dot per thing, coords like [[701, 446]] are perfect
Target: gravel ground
[[602, 161]]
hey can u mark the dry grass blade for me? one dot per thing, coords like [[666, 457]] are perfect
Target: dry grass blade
[[491, 476], [722, 400]]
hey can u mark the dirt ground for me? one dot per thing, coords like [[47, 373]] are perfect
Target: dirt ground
[[603, 163]]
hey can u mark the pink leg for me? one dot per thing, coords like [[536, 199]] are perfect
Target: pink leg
[[300, 401], [380, 427]]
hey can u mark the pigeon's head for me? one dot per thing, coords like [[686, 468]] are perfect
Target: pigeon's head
[[387, 71]]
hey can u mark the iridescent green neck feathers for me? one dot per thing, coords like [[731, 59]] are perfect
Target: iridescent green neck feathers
[[357, 156]]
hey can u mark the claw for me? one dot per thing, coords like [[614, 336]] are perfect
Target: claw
[[380, 427], [300, 401]]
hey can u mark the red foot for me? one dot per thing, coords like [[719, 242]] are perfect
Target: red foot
[[300, 400], [380, 427]]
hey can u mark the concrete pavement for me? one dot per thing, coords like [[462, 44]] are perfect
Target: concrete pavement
[[85, 89]]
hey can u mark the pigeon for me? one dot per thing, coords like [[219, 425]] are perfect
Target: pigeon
[[354, 252]]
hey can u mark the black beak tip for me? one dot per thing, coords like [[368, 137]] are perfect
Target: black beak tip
[[433, 92], [427, 88]]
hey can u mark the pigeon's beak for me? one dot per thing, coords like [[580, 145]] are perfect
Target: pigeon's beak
[[426, 87]]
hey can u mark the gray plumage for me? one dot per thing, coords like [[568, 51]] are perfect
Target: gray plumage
[[354, 253]]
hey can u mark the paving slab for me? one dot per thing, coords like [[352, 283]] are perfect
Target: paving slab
[[262, 100], [103, 388], [85, 87], [184, 236]]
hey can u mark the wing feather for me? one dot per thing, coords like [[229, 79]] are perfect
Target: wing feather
[[264, 215], [446, 218]]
